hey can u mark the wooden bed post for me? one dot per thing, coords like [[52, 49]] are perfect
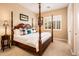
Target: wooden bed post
[[52, 29], [11, 27], [32, 22], [39, 23]]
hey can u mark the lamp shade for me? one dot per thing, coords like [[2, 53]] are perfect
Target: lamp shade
[[5, 25]]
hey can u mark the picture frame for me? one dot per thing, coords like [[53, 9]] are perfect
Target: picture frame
[[24, 17]]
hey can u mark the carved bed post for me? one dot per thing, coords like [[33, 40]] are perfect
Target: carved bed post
[[52, 29], [32, 22], [39, 23], [11, 27]]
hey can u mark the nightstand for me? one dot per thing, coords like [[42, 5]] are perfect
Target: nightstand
[[5, 42]]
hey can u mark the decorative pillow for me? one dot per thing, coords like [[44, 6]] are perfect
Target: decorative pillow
[[17, 32], [29, 31], [33, 30], [22, 31], [26, 31]]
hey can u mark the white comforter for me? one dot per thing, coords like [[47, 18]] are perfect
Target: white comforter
[[32, 39]]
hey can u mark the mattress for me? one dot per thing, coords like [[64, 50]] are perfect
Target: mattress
[[32, 39]]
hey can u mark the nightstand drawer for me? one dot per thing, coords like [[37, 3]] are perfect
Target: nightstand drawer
[[5, 37], [5, 41]]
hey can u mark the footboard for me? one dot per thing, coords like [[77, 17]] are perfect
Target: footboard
[[44, 46], [25, 47], [32, 49]]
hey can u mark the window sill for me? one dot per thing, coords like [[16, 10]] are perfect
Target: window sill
[[53, 29]]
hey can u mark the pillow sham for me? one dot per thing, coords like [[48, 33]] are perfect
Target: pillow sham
[[17, 32], [22, 31], [26, 31], [33, 30]]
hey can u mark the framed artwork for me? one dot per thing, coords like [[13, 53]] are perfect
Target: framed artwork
[[24, 17]]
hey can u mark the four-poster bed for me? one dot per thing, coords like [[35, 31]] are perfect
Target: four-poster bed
[[41, 45]]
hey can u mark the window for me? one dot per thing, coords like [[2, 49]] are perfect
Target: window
[[47, 23], [57, 22]]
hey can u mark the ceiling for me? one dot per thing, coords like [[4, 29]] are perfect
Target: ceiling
[[44, 6]]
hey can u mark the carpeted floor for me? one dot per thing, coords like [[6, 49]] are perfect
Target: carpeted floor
[[57, 48]]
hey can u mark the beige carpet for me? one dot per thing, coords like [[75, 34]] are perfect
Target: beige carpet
[[57, 48]]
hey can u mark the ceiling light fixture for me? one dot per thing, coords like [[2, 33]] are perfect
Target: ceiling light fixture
[[48, 6]]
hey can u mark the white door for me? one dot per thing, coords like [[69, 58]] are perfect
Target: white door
[[70, 26], [76, 30]]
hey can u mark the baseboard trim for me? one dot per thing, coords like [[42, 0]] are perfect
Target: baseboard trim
[[73, 53], [77, 52], [62, 40], [0, 48]]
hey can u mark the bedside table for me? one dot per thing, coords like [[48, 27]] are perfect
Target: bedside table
[[5, 42]]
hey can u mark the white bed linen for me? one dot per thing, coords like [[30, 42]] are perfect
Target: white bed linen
[[32, 39]]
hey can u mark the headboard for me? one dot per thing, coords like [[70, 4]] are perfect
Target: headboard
[[22, 25]]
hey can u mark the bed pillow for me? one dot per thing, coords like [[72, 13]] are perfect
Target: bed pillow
[[26, 31], [33, 30], [17, 32], [29, 31], [22, 31]]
